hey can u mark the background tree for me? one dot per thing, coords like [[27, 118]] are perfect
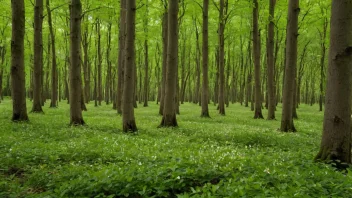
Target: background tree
[[205, 62]]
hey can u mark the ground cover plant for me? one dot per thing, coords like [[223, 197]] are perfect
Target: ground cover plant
[[225, 156]]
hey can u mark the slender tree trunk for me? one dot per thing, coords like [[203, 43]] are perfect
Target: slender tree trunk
[[121, 55], [221, 59], [109, 67], [164, 66], [271, 64], [86, 64], [128, 120], [169, 114], [290, 67], [256, 57], [322, 63], [336, 139], [100, 60], [17, 62], [76, 117], [205, 85], [54, 76], [38, 57]]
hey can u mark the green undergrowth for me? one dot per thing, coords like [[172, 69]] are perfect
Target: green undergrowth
[[224, 156]]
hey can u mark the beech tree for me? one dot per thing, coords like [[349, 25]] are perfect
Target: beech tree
[[169, 112], [205, 85], [18, 81], [128, 120], [336, 140], [290, 67], [76, 117]]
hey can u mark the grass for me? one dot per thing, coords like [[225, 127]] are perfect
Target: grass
[[225, 156]]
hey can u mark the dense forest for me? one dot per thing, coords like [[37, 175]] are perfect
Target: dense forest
[[175, 98]]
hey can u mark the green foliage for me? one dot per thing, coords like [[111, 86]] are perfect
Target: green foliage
[[232, 156]]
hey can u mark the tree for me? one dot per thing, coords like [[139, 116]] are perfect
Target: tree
[[18, 81], [205, 86], [169, 113], [270, 60], [165, 25], [128, 120], [146, 58], [222, 57], [76, 117], [38, 57], [336, 140], [54, 75], [290, 67], [256, 58], [121, 59]]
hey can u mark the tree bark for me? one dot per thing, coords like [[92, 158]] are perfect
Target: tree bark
[[221, 59], [270, 59], [128, 120], [169, 114], [287, 124], [54, 76], [38, 57], [76, 117], [205, 85], [17, 62], [100, 60], [164, 66], [256, 57], [121, 55], [336, 139]]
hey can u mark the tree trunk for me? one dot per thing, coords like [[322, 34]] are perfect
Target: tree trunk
[[86, 64], [336, 139], [205, 85], [76, 117], [169, 114], [17, 62], [164, 66], [54, 76], [38, 57], [256, 57], [221, 59], [146, 59], [100, 60], [290, 66], [128, 120], [109, 67], [121, 55], [322, 62], [270, 59]]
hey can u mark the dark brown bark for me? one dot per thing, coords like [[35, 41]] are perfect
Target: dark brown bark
[[17, 62], [121, 55], [221, 58], [164, 62], [256, 57], [336, 139], [108, 77], [205, 83], [287, 124], [76, 117], [270, 60], [38, 57], [54, 75], [86, 63], [128, 120], [322, 62], [146, 60], [100, 61], [169, 114]]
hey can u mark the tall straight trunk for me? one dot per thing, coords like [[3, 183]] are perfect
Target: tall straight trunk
[[270, 60], [322, 63], [294, 101], [205, 84], [86, 64], [146, 74], [169, 114], [121, 55], [17, 62], [128, 120], [336, 139], [290, 67], [164, 66], [109, 67], [221, 59], [54, 76], [100, 60], [256, 57], [38, 57], [197, 55], [76, 117]]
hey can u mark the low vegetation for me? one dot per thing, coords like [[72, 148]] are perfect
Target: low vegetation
[[225, 156]]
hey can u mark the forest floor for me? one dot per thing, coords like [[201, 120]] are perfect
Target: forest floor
[[225, 156]]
